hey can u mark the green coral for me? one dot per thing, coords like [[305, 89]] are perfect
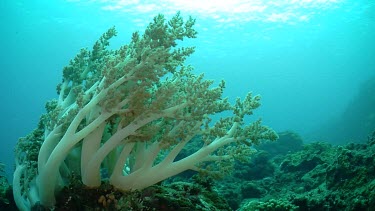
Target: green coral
[[317, 177], [4, 186], [270, 205], [174, 196], [6, 198]]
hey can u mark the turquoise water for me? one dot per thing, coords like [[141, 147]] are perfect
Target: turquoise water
[[307, 59]]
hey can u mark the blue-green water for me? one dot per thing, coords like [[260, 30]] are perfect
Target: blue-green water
[[306, 58]]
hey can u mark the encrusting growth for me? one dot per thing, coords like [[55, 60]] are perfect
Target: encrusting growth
[[129, 112]]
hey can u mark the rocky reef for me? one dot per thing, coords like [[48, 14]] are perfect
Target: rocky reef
[[319, 176]]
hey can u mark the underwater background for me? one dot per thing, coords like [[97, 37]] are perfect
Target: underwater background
[[311, 61]]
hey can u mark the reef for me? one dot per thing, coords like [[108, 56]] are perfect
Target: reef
[[320, 176], [6, 193]]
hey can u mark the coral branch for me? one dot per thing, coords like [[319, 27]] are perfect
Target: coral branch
[[130, 113]]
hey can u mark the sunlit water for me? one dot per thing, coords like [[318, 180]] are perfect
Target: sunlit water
[[305, 58]]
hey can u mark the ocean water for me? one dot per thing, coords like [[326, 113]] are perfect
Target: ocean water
[[307, 59]]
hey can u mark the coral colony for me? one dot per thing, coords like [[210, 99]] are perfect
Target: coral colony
[[128, 113]]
